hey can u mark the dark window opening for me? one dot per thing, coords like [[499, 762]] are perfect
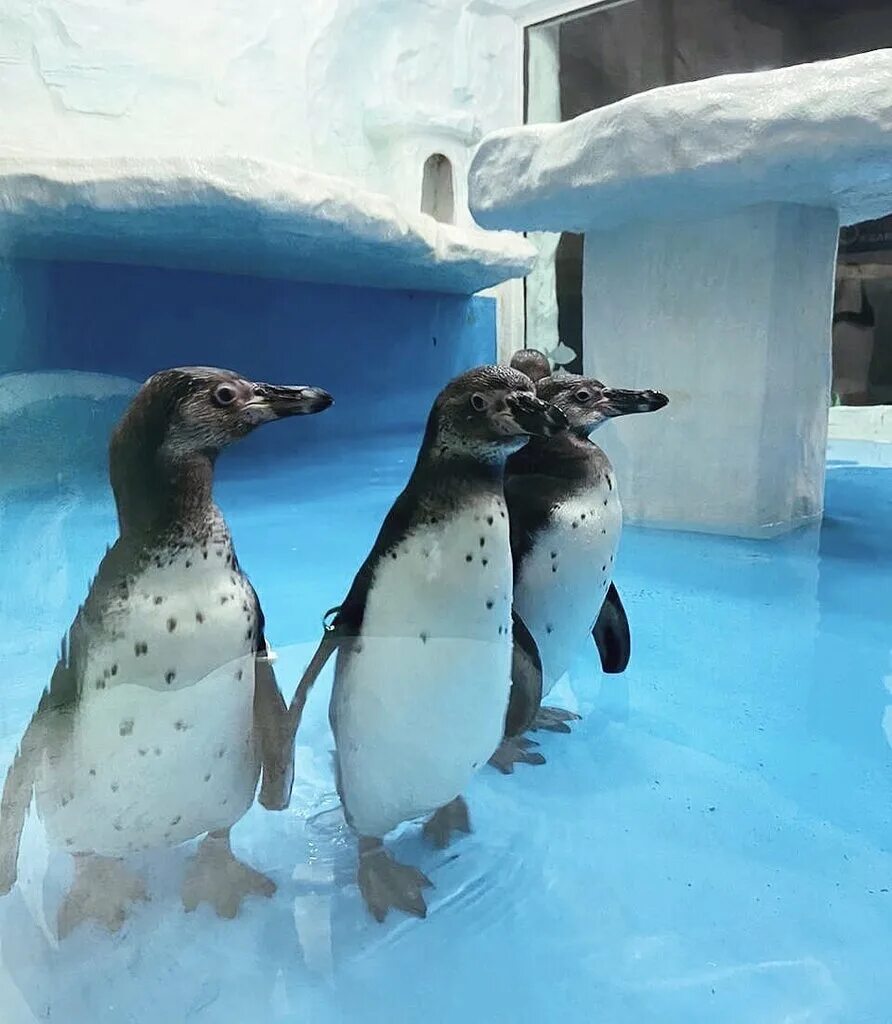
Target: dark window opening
[[437, 189]]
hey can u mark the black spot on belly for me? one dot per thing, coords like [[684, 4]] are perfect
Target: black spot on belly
[[582, 516], [603, 568], [100, 684], [118, 827], [249, 634], [157, 751], [554, 568], [219, 552], [482, 541], [224, 599], [171, 625], [199, 618], [221, 752], [143, 751], [611, 558], [188, 563], [502, 514], [393, 555], [605, 503], [489, 519], [140, 647], [575, 524], [92, 771], [114, 787], [176, 820], [69, 842], [554, 554], [158, 600], [469, 558], [604, 532], [180, 725], [485, 561], [207, 777], [549, 629], [609, 483], [114, 670], [423, 637], [204, 553], [126, 727], [169, 677], [489, 604], [239, 674]]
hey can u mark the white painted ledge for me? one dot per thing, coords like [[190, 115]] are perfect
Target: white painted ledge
[[244, 217], [814, 134], [861, 423]]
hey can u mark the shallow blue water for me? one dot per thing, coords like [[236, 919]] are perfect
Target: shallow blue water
[[713, 842]]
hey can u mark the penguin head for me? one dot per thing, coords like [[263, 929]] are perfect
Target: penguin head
[[532, 362], [490, 410], [587, 403], [199, 410]]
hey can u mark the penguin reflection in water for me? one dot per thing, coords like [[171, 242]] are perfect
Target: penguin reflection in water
[[423, 637], [566, 520], [163, 707]]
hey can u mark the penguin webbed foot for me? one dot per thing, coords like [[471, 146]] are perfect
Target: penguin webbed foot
[[451, 817], [515, 750], [386, 884], [218, 877], [553, 720], [102, 890]]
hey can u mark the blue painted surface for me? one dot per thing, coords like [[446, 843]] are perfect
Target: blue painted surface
[[712, 844], [367, 346]]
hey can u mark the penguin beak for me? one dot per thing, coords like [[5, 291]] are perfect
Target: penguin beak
[[616, 402], [274, 401], [535, 417]]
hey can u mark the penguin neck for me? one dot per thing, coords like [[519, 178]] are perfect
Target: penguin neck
[[566, 454], [466, 467], [158, 494]]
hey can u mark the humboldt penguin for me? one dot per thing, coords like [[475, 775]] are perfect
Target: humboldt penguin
[[163, 709], [424, 636], [566, 520]]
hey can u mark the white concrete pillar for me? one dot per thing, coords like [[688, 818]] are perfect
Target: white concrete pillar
[[731, 318]]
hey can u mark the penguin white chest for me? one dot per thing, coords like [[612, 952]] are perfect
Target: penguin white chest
[[420, 698], [161, 746], [563, 579]]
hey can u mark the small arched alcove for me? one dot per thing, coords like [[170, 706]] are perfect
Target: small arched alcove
[[437, 190]]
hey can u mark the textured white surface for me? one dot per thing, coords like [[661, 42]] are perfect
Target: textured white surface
[[730, 318], [245, 216], [861, 423], [818, 134]]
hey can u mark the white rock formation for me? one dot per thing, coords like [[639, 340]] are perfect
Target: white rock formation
[[711, 212], [242, 216]]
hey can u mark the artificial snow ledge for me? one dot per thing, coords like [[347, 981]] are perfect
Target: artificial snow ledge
[[813, 134], [245, 217]]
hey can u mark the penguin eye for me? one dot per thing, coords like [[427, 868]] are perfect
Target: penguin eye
[[583, 395], [225, 394], [478, 402]]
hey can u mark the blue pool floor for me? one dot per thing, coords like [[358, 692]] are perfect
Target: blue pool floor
[[712, 844]]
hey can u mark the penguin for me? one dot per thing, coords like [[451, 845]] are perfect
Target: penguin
[[532, 362], [566, 519], [424, 636], [163, 709]]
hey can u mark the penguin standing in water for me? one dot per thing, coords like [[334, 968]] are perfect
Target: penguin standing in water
[[163, 708], [423, 638], [566, 520]]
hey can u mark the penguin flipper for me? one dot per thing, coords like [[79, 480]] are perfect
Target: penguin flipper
[[526, 680], [611, 634], [275, 733], [45, 731]]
